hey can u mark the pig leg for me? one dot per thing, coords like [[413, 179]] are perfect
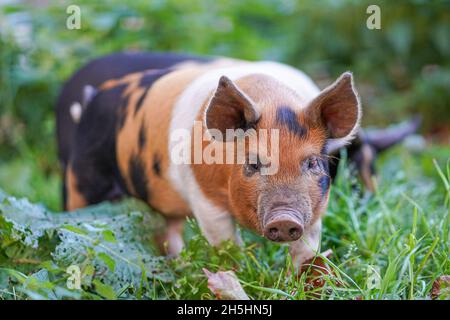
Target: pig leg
[[171, 242], [306, 247], [216, 224]]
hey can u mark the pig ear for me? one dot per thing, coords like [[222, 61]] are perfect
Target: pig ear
[[230, 108], [337, 108]]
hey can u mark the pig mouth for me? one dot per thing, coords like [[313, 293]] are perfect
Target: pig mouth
[[283, 225]]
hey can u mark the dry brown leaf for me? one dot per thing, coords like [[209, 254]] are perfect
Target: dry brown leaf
[[317, 269], [441, 287], [225, 285]]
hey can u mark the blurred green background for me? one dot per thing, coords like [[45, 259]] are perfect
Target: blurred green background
[[400, 70]]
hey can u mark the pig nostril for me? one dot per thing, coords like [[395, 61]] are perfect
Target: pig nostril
[[294, 232], [273, 233]]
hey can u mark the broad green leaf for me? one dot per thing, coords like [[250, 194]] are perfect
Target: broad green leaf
[[108, 235], [104, 290], [107, 260]]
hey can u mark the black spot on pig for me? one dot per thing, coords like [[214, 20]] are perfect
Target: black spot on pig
[[150, 76], [288, 117], [93, 157], [136, 171], [325, 180], [122, 112], [147, 81], [140, 101], [142, 136], [324, 183], [157, 165]]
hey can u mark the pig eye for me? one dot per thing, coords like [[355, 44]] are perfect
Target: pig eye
[[313, 164]]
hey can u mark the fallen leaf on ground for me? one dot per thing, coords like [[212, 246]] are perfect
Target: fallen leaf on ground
[[441, 287], [317, 270], [225, 285]]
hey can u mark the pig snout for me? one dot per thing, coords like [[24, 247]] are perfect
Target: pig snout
[[283, 226]]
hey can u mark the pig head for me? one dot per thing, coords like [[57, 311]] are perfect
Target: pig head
[[287, 202]]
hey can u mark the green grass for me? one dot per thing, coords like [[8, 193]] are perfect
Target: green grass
[[390, 245], [33, 175]]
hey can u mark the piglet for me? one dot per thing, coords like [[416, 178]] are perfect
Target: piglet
[[223, 140]]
